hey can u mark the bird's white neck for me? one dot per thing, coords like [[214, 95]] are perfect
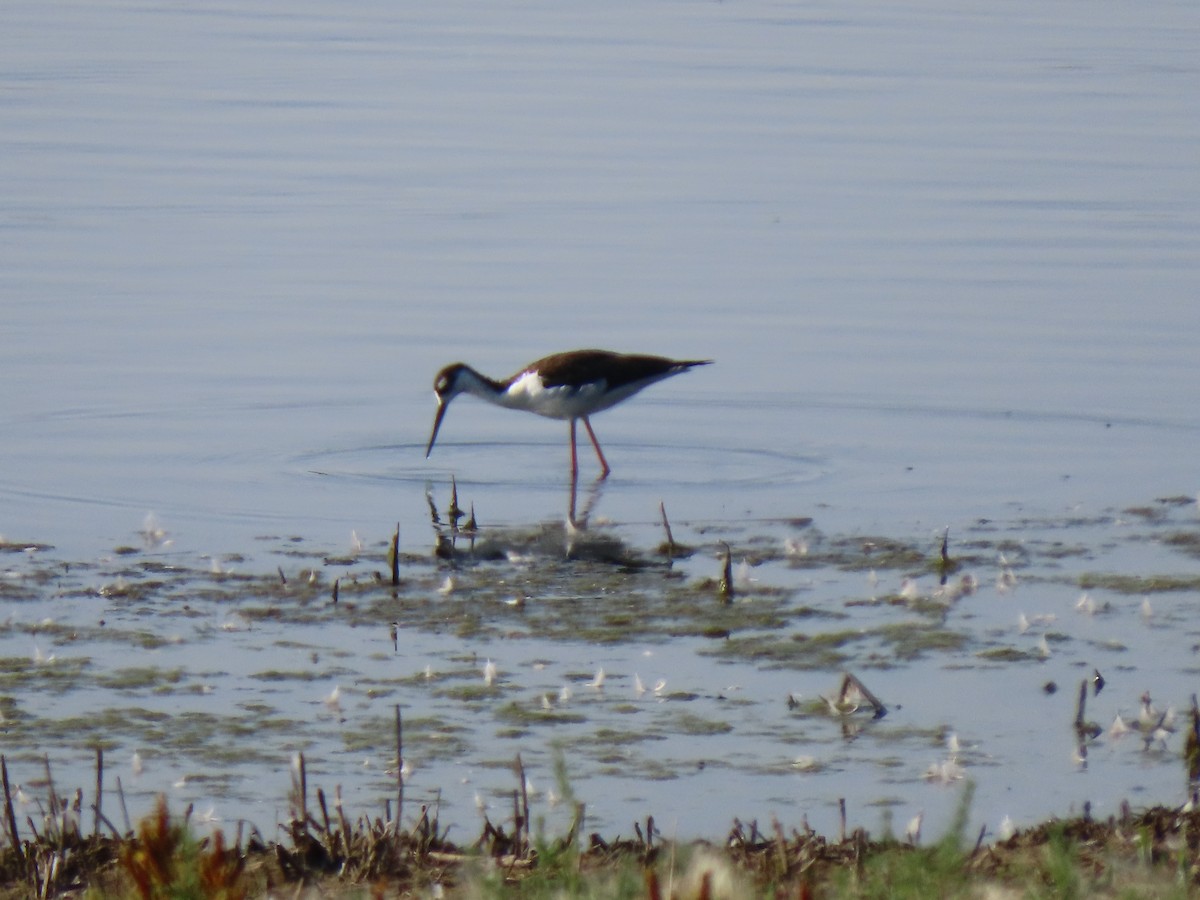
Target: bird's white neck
[[479, 385]]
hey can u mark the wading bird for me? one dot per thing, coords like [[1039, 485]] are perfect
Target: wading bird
[[570, 386]]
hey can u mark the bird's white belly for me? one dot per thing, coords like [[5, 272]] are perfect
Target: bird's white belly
[[561, 402]]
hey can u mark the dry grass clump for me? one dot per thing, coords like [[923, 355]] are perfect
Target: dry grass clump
[[1152, 854]]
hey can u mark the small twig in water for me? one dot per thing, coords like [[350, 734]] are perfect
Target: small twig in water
[[454, 512], [851, 682], [667, 527], [301, 788], [394, 555], [99, 787], [727, 575], [945, 565]]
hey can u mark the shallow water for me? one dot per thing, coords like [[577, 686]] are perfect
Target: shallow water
[[944, 256], [215, 671]]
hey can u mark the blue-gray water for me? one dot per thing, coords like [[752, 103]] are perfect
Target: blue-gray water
[[945, 255]]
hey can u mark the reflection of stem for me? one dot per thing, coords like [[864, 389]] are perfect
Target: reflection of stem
[[394, 550], [1081, 705], [727, 576], [1084, 730], [399, 770]]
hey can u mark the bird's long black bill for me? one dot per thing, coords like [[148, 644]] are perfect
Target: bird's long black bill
[[437, 423]]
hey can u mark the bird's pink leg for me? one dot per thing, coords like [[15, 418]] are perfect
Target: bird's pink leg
[[595, 443], [574, 457]]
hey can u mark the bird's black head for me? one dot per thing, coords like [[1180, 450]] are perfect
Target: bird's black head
[[445, 385]]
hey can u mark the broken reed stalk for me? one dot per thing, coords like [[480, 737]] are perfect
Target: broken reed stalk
[[454, 512], [124, 808], [667, 527], [56, 805], [394, 555], [527, 841], [399, 771], [301, 785], [851, 680], [324, 811], [979, 840], [515, 844], [341, 811], [780, 846], [521, 833], [10, 818]]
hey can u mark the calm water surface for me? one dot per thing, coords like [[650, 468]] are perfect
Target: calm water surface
[[945, 256]]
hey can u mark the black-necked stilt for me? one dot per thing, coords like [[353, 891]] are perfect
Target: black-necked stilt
[[570, 386]]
